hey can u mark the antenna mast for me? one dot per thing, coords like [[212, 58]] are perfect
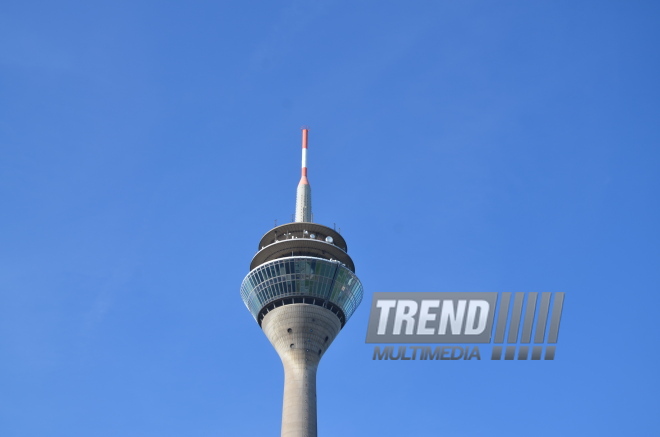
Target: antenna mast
[[304, 192]]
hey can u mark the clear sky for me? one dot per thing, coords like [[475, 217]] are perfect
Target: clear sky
[[146, 146]]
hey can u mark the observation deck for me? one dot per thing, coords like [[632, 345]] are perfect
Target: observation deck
[[302, 262], [302, 239]]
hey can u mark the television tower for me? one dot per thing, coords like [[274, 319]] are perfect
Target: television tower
[[302, 290]]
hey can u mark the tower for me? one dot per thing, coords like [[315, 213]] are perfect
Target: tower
[[302, 290]]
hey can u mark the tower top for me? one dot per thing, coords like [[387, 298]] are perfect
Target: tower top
[[304, 192]]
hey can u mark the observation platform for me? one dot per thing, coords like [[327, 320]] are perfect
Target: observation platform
[[302, 239]]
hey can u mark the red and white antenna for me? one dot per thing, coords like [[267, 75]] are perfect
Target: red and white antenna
[[304, 192], [303, 179]]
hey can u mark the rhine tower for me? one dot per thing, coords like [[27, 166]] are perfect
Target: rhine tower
[[302, 290]]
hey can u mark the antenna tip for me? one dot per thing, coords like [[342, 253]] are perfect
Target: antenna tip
[[304, 142]]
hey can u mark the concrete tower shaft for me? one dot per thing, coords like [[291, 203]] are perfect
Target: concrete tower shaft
[[300, 334]]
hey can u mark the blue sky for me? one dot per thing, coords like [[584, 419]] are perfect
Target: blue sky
[[145, 147]]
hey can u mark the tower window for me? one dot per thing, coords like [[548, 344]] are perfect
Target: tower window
[[289, 330]]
